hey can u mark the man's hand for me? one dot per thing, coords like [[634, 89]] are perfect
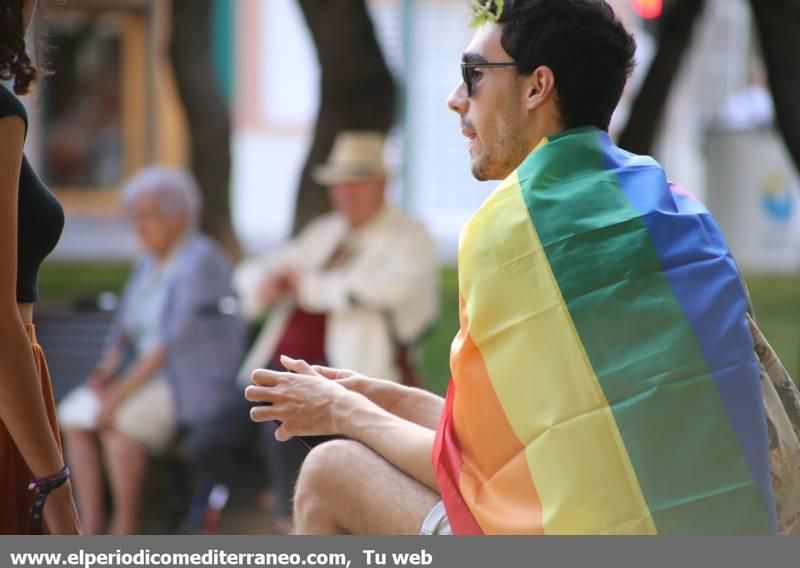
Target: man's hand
[[291, 281], [380, 391], [276, 287], [313, 403], [307, 403], [272, 290]]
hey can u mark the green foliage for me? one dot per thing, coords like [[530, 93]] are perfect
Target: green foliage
[[434, 356], [776, 302], [66, 282], [485, 11]]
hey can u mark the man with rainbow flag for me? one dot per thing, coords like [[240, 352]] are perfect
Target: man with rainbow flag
[[604, 378]]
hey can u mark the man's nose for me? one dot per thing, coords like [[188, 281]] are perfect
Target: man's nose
[[458, 100]]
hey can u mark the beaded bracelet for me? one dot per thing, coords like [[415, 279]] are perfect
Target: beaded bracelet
[[43, 487]]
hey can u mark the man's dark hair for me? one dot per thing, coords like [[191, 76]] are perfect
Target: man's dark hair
[[588, 49]]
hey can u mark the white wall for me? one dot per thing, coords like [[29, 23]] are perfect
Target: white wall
[[270, 140]]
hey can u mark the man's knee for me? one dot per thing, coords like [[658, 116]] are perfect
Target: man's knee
[[324, 470], [325, 462]]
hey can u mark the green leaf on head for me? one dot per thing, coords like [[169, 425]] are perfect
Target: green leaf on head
[[485, 11]]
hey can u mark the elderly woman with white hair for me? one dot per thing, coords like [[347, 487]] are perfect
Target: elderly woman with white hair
[[172, 352]]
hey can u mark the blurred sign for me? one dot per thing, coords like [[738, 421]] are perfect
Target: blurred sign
[[754, 193], [778, 197], [648, 9]]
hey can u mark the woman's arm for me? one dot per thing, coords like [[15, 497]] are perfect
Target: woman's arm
[[22, 407]]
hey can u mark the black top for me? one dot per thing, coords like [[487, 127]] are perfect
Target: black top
[[40, 216]]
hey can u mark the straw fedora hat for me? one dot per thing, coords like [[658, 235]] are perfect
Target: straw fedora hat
[[356, 155]]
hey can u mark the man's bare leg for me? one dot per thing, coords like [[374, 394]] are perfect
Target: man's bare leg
[[344, 487]]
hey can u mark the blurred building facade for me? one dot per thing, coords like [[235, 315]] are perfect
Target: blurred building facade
[[109, 109]]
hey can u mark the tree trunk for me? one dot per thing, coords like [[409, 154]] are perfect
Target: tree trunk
[[675, 35], [207, 116], [778, 23], [356, 87]]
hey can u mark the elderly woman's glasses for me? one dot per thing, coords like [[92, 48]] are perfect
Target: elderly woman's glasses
[[470, 72]]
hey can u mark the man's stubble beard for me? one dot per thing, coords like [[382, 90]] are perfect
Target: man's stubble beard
[[508, 152]]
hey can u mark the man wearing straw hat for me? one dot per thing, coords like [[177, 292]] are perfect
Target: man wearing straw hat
[[355, 282], [356, 289]]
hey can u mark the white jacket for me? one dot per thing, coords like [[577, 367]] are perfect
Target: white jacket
[[389, 287]]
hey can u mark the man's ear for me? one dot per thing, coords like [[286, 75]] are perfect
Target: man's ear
[[541, 87]]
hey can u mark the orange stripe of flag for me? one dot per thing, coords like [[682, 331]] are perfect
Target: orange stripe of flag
[[508, 501]]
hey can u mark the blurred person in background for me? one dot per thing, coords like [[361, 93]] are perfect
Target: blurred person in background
[[172, 352], [357, 288], [32, 221]]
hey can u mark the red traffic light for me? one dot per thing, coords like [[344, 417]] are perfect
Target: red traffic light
[[648, 9]]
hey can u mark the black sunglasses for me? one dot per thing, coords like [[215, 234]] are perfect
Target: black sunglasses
[[468, 71]]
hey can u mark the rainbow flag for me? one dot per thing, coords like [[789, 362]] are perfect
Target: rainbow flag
[[603, 379]]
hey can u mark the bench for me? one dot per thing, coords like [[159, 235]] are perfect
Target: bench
[[72, 342]]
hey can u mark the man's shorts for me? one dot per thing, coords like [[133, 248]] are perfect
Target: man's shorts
[[436, 523]]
